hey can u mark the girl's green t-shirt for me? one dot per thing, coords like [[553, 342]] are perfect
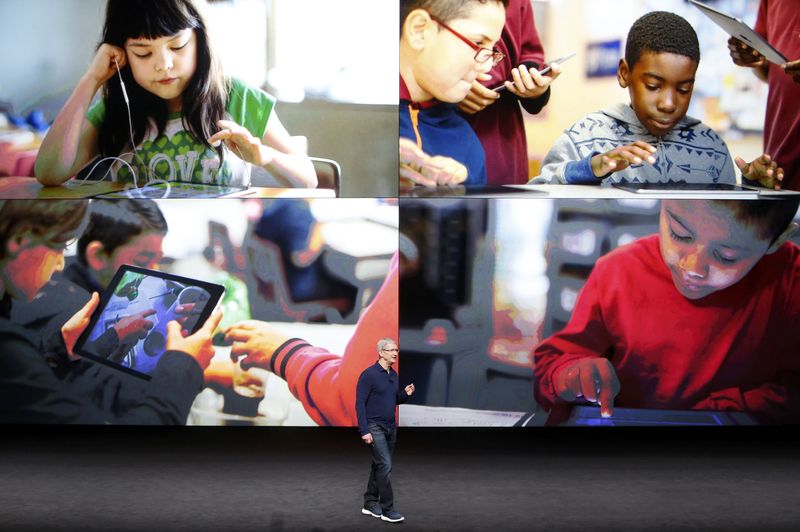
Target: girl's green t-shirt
[[177, 156]]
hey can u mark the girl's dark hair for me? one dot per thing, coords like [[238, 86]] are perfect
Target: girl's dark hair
[[205, 97], [52, 221]]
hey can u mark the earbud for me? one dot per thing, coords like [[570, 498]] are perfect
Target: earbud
[[122, 83]]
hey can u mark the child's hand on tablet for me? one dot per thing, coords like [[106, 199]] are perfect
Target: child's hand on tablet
[[763, 170], [622, 157], [422, 169], [242, 143], [74, 327], [594, 379], [198, 345]]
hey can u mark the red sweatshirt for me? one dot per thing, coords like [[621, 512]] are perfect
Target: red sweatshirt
[[500, 126], [736, 349], [326, 383], [779, 22]]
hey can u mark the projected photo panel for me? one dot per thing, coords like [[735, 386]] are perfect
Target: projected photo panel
[[648, 312]]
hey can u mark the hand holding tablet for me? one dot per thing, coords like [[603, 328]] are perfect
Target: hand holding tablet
[[144, 313], [743, 33]]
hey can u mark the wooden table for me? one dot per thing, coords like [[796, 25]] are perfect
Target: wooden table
[[30, 188]]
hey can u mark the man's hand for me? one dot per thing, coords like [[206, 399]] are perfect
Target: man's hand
[[134, 327], [594, 379], [74, 327], [763, 170], [410, 390], [792, 69], [479, 96], [622, 157], [367, 438], [254, 340], [420, 168]]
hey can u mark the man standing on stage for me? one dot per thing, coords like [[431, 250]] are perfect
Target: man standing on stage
[[377, 395]]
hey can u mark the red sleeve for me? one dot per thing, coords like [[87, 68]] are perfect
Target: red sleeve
[[530, 45], [761, 19], [584, 336], [325, 383], [530, 50], [777, 401]]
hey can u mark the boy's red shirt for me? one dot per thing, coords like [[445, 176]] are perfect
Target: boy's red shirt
[[736, 349]]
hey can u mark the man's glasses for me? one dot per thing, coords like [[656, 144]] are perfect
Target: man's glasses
[[481, 54], [395, 350]]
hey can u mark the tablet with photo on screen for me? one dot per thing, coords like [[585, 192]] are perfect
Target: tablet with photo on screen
[[128, 330]]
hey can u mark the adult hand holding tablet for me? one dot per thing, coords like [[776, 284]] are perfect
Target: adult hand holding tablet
[[743, 33]]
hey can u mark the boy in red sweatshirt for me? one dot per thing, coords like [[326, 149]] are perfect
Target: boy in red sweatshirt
[[702, 316]]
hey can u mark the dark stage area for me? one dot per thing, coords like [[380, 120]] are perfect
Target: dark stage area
[[282, 479]]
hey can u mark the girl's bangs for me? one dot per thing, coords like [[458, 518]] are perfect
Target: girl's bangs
[[152, 19]]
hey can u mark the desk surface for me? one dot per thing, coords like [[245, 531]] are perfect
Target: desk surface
[[30, 188], [360, 238], [583, 192], [589, 416]]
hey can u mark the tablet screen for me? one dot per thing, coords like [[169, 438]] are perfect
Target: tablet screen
[[129, 328]]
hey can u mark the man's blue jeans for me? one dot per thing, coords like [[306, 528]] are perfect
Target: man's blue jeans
[[379, 487]]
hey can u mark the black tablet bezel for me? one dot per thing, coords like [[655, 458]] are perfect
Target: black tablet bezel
[[215, 291]]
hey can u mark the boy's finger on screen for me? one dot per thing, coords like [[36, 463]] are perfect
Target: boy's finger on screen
[[588, 383]]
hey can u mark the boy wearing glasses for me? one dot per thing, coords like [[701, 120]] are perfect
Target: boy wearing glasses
[[445, 46], [496, 115]]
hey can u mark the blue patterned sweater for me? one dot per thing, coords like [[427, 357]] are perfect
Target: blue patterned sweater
[[691, 152]]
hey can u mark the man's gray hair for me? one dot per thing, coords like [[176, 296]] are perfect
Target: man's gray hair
[[383, 342]]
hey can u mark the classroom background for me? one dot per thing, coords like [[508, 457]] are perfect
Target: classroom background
[[225, 242]]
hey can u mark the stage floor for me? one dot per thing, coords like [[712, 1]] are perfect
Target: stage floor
[[286, 479]]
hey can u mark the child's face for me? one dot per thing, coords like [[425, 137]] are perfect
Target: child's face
[[164, 66], [445, 69], [705, 247], [32, 266], [144, 251], [660, 87]]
